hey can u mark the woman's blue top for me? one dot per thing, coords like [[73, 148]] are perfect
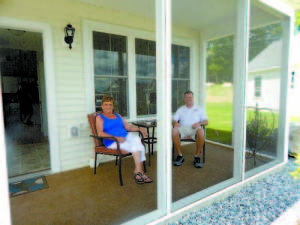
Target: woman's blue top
[[114, 127]]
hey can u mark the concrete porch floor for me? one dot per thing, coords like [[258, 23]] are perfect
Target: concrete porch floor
[[80, 197]]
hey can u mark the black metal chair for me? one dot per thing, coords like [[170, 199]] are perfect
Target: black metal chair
[[101, 149], [194, 141]]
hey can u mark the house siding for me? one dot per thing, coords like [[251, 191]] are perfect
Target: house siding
[[70, 87], [270, 89]]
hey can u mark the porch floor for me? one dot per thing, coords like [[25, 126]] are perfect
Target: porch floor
[[80, 197]]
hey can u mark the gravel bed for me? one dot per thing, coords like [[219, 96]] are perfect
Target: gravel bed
[[258, 203]]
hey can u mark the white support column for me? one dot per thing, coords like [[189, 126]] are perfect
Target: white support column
[[202, 72], [241, 49], [285, 83], [131, 78], [4, 199], [194, 70], [163, 86]]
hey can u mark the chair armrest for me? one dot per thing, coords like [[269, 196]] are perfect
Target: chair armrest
[[138, 131], [140, 134], [111, 138], [104, 137]]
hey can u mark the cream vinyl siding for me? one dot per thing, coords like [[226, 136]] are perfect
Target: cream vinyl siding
[[69, 74], [270, 89]]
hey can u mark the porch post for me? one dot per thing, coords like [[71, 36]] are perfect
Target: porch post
[[132, 79], [163, 87], [4, 199], [202, 72], [285, 84], [239, 79]]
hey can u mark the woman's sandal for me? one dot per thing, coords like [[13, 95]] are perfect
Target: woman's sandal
[[141, 178], [146, 178], [138, 177]]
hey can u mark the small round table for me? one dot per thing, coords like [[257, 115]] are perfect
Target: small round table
[[150, 140]]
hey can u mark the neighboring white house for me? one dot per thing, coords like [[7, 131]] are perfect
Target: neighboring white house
[[263, 84]]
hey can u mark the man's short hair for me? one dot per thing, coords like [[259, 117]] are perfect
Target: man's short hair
[[188, 92]]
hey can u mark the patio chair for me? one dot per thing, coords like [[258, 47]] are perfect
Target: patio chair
[[189, 139], [99, 147]]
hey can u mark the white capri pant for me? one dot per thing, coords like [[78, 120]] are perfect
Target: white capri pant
[[131, 144]]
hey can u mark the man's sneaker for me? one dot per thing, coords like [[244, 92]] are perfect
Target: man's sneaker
[[179, 160], [197, 162]]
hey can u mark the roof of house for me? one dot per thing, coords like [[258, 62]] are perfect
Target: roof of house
[[270, 57]]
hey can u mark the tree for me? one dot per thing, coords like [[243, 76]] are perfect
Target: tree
[[262, 37], [298, 18], [220, 52], [220, 60]]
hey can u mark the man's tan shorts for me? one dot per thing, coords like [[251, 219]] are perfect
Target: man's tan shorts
[[187, 132]]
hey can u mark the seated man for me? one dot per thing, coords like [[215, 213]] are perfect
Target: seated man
[[190, 117]]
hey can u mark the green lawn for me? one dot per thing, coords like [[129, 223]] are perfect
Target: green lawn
[[220, 115], [295, 119], [219, 128], [219, 110], [219, 91]]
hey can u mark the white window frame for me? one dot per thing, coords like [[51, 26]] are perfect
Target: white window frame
[[285, 83], [256, 88], [114, 76], [143, 77]]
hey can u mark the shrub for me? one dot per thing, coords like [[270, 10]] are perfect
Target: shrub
[[296, 174]]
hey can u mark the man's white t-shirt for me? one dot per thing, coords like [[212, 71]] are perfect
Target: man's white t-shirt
[[188, 116]]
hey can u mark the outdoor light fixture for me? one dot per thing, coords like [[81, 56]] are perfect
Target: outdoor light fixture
[[69, 35]]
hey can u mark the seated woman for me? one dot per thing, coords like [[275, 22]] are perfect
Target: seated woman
[[112, 124]]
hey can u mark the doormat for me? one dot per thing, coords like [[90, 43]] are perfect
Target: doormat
[[27, 186]]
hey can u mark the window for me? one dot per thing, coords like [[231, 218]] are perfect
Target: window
[[180, 74], [111, 73], [146, 75], [257, 87], [145, 58], [110, 70]]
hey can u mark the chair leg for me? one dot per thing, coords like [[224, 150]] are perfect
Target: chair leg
[[173, 150], [95, 165], [145, 169], [203, 153], [120, 171], [146, 153], [116, 160], [149, 152]]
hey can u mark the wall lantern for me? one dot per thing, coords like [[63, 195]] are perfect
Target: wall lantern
[[69, 35]]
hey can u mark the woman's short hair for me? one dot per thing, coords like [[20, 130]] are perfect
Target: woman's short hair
[[107, 98]]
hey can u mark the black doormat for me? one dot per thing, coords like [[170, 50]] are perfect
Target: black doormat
[[27, 186]]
